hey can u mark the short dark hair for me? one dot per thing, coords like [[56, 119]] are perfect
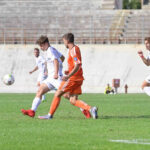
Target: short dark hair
[[147, 39], [36, 49], [42, 40], [69, 37]]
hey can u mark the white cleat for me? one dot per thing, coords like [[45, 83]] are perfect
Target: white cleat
[[94, 113], [46, 117]]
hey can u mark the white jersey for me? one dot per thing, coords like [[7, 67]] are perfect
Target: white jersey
[[40, 63], [148, 57], [52, 54]]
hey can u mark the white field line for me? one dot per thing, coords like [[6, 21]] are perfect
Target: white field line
[[144, 142]]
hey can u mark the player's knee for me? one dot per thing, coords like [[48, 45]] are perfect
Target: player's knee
[[142, 87], [72, 101], [39, 93], [66, 95], [58, 94]]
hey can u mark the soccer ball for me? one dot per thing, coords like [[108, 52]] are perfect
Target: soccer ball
[[8, 79]]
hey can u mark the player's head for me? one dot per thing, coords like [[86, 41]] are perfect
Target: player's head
[[36, 52], [68, 39], [43, 42], [147, 43], [108, 84]]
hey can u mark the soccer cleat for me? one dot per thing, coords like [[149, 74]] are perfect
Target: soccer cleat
[[29, 113], [24, 111], [46, 117], [93, 112], [86, 113]]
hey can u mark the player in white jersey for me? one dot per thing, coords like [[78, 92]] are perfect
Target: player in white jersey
[[41, 66], [54, 61], [146, 83]]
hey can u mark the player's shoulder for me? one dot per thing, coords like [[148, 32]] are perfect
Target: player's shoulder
[[77, 47], [75, 50], [53, 50]]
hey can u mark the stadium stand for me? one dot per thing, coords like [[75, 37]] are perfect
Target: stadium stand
[[22, 22], [108, 4]]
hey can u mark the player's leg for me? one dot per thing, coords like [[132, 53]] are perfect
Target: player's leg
[[41, 79], [54, 105], [56, 100], [37, 100], [38, 85], [75, 91], [86, 113], [81, 104], [146, 86]]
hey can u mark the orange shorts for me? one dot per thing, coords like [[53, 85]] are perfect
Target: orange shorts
[[72, 87]]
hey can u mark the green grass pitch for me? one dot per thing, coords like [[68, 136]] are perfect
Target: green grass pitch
[[121, 117]]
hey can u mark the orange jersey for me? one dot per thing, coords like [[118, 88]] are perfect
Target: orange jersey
[[73, 59]]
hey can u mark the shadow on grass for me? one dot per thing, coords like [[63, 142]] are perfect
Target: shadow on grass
[[125, 117]]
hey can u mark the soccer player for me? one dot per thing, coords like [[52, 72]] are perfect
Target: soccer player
[[72, 82], [54, 60], [41, 66], [146, 83]]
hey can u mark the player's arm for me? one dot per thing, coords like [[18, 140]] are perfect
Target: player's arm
[[62, 58], [56, 68], [146, 61], [35, 69], [74, 70]]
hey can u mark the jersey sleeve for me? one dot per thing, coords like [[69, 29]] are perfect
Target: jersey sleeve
[[76, 56], [56, 54]]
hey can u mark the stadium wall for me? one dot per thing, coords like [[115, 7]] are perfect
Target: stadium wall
[[101, 63]]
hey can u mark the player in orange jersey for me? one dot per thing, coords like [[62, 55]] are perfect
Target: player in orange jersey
[[72, 82]]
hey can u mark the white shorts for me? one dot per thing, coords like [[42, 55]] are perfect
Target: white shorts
[[53, 84], [41, 78], [147, 79]]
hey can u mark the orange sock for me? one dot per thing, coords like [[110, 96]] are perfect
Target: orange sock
[[54, 105], [82, 105]]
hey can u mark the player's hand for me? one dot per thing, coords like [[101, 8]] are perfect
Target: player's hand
[[55, 76], [66, 72], [30, 72], [65, 78], [140, 53]]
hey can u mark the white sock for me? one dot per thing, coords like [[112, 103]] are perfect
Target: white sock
[[147, 90], [43, 97], [81, 109], [49, 114], [36, 102]]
